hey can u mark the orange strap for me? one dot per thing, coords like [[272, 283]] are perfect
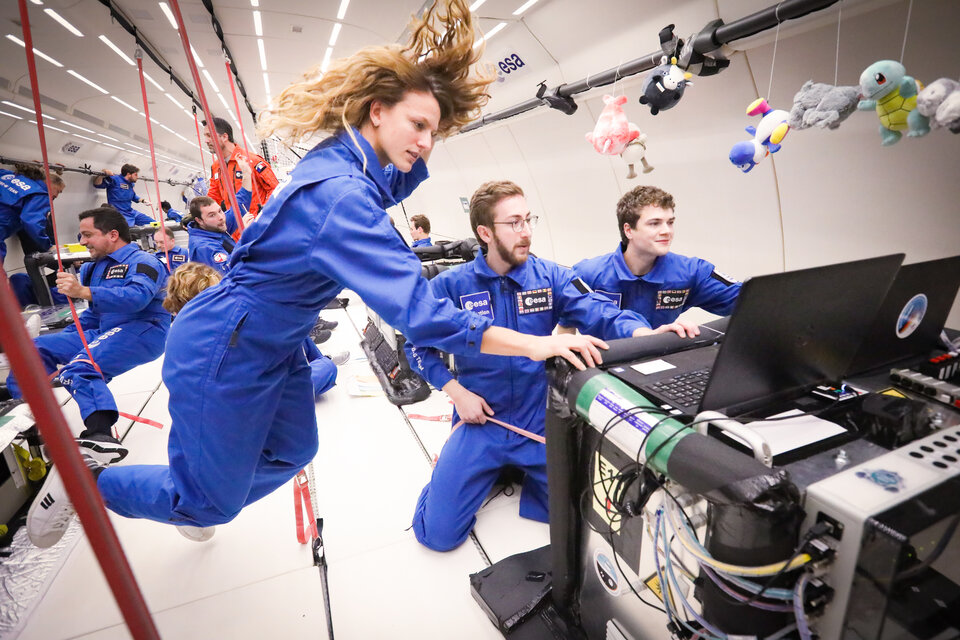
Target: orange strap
[[301, 502], [523, 432], [129, 416], [417, 416]]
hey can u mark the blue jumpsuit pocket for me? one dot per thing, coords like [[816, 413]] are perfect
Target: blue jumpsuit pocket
[[231, 345]]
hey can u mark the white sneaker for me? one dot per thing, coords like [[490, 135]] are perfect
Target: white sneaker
[[197, 534], [340, 358], [50, 514]]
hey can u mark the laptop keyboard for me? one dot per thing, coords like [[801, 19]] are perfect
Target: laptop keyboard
[[685, 389]]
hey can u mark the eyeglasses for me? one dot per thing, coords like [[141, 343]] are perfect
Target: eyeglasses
[[518, 224]]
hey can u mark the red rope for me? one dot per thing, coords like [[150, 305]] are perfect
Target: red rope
[[185, 40], [80, 485], [196, 123], [153, 157], [236, 105]]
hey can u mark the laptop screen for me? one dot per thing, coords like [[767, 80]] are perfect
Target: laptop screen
[[791, 331]]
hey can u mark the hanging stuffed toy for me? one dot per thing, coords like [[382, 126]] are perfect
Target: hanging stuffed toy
[[613, 132], [664, 85], [940, 101], [886, 87], [822, 105], [766, 136], [635, 153]]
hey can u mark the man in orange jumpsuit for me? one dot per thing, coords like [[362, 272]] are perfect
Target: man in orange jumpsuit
[[264, 180]]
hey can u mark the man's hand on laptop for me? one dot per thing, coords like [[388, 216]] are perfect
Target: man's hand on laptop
[[683, 328]]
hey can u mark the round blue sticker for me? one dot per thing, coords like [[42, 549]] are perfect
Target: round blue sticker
[[607, 572], [911, 315]]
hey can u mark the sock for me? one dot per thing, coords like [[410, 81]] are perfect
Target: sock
[[100, 422]]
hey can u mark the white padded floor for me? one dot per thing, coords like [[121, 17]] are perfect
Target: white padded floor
[[253, 580]]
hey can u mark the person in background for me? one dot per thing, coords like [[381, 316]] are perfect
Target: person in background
[[170, 213], [25, 205], [165, 243], [120, 193], [420, 231]]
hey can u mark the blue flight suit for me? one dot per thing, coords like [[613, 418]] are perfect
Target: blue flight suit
[[241, 400], [531, 298], [24, 204], [674, 284], [125, 326], [323, 372], [178, 256], [173, 214], [425, 242], [214, 247], [120, 194]]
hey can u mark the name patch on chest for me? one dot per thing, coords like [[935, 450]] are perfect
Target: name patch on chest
[[478, 303], [124, 185], [117, 271], [534, 301], [615, 298], [672, 298], [176, 257]]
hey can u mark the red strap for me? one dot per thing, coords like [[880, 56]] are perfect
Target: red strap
[[153, 156], [236, 105], [196, 123], [417, 416], [301, 502], [152, 423], [523, 432]]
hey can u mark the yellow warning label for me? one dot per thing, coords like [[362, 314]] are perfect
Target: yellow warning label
[[653, 583], [603, 474], [890, 391]]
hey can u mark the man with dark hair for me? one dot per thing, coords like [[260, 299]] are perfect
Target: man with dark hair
[[208, 226], [164, 240], [643, 275], [521, 292], [125, 325], [420, 231], [264, 180], [170, 213], [120, 193], [24, 205]]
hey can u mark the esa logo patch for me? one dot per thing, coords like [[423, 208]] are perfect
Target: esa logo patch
[[534, 300], [671, 298], [220, 257], [479, 303], [615, 298], [117, 271]]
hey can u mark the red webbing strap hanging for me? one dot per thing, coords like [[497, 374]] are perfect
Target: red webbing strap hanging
[[196, 123], [79, 483], [208, 115], [510, 427], [129, 416], [153, 156], [301, 502], [236, 105]]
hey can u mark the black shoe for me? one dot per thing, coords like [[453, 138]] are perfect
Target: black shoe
[[319, 336], [4, 393], [325, 324], [104, 449]]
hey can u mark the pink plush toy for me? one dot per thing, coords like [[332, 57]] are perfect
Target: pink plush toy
[[613, 132]]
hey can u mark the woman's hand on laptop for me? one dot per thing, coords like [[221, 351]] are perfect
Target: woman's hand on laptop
[[682, 328]]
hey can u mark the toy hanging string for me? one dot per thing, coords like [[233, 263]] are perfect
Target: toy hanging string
[[836, 63], [906, 28], [773, 62]]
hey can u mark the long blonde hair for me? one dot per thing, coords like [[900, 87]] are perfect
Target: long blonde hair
[[437, 59]]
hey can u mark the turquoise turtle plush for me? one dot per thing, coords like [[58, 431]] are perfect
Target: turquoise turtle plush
[[886, 87]]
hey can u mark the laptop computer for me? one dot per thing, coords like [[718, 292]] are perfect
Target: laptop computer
[[789, 332], [912, 315]]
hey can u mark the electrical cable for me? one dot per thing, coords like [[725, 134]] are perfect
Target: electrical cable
[[803, 628]]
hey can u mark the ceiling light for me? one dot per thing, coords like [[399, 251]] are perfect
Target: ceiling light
[[209, 78], [10, 115], [37, 1], [476, 5], [134, 109], [490, 34], [103, 135], [326, 59], [257, 25], [66, 25], [189, 113], [17, 106], [117, 50], [343, 9], [107, 144], [255, 3], [263, 54], [77, 135], [82, 79], [152, 81], [76, 126], [266, 84], [334, 34], [47, 126], [166, 11], [225, 105], [196, 57], [35, 50], [166, 128], [526, 5], [173, 100]]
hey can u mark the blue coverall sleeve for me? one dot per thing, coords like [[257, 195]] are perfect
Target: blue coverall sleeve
[[34, 218], [136, 293], [590, 312], [403, 184], [425, 360], [90, 318], [356, 246], [103, 183], [243, 201], [713, 291]]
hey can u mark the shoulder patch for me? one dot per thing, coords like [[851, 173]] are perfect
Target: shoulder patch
[[148, 271], [615, 298], [238, 174], [581, 286], [725, 279], [260, 167], [116, 272], [220, 257], [479, 303]]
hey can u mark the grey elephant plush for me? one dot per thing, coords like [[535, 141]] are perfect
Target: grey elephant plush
[[822, 105]]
